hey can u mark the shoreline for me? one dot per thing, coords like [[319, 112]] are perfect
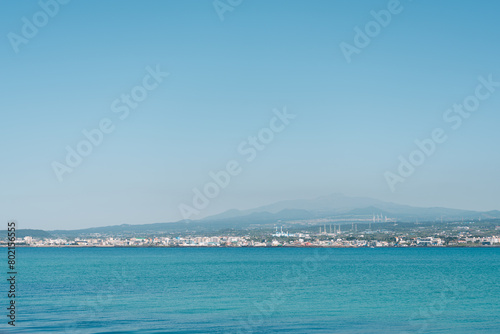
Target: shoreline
[[76, 246]]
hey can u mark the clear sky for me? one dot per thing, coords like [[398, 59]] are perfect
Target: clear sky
[[352, 119]]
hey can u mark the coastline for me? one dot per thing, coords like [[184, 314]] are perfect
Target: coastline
[[313, 246]]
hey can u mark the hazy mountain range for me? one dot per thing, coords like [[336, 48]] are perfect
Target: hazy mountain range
[[334, 208]]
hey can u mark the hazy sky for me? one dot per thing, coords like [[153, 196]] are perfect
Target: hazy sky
[[353, 116]]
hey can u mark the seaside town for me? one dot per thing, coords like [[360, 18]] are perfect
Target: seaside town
[[457, 237]]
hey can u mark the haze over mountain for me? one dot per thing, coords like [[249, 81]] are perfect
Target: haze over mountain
[[334, 208], [336, 205]]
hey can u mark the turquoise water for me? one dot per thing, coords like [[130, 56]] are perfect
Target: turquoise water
[[251, 290]]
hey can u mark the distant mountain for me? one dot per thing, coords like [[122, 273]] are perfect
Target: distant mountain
[[491, 214], [20, 234], [335, 207], [243, 222], [370, 210]]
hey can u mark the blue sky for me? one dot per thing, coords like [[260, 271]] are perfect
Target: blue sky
[[353, 120]]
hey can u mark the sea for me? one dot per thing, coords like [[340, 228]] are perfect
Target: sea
[[255, 290]]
